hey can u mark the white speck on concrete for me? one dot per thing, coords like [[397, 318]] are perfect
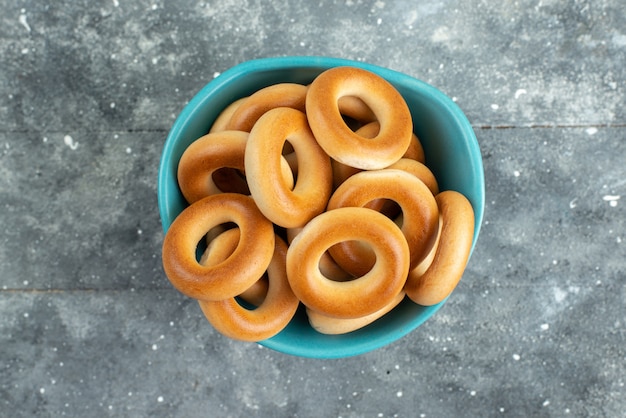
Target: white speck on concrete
[[520, 92], [116, 3], [495, 106], [545, 327], [559, 295], [160, 399], [573, 203], [516, 357], [399, 394], [69, 141], [516, 173], [216, 74], [612, 199], [23, 21], [591, 131], [441, 34], [619, 39], [128, 150]]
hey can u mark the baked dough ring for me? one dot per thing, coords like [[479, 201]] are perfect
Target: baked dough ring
[[279, 203], [341, 171], [221, 122], [421, 268], [204, 157], [328, 267], [219, 248], [337, 139], [415, 151], [235, 274], [278, 95], [363, 295], [333, 326], [269, 318], [452, 254], [355, 108], [420, 171], [418, 205], [202, 162]]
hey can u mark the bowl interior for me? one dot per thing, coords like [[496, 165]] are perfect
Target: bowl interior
[[449, 143]]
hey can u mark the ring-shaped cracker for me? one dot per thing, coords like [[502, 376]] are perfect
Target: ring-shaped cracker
[[221, 121], [286, 207], [336, 137], [204, 159], [451, 255], [278, 95], [333, 326], [419, 209], [269, 318], [355, 298], [235, 274], [219, 248]]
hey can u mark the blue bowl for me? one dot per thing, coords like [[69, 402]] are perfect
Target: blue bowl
[[449, 143]]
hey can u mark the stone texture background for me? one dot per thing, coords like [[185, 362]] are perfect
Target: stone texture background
[[89, 325]]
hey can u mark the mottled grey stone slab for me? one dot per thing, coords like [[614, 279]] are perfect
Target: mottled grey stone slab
[[555, 214], [124, 353], [79, 210], [129, 65]]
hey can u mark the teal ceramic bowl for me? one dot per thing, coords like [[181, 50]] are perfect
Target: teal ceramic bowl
[[449, 143]]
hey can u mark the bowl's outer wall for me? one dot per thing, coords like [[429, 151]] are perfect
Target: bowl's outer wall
[[449, 143]]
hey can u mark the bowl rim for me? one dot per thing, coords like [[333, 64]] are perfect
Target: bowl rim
[[285, 63]]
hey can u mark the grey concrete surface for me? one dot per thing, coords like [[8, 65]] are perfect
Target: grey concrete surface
[[89, 325]]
